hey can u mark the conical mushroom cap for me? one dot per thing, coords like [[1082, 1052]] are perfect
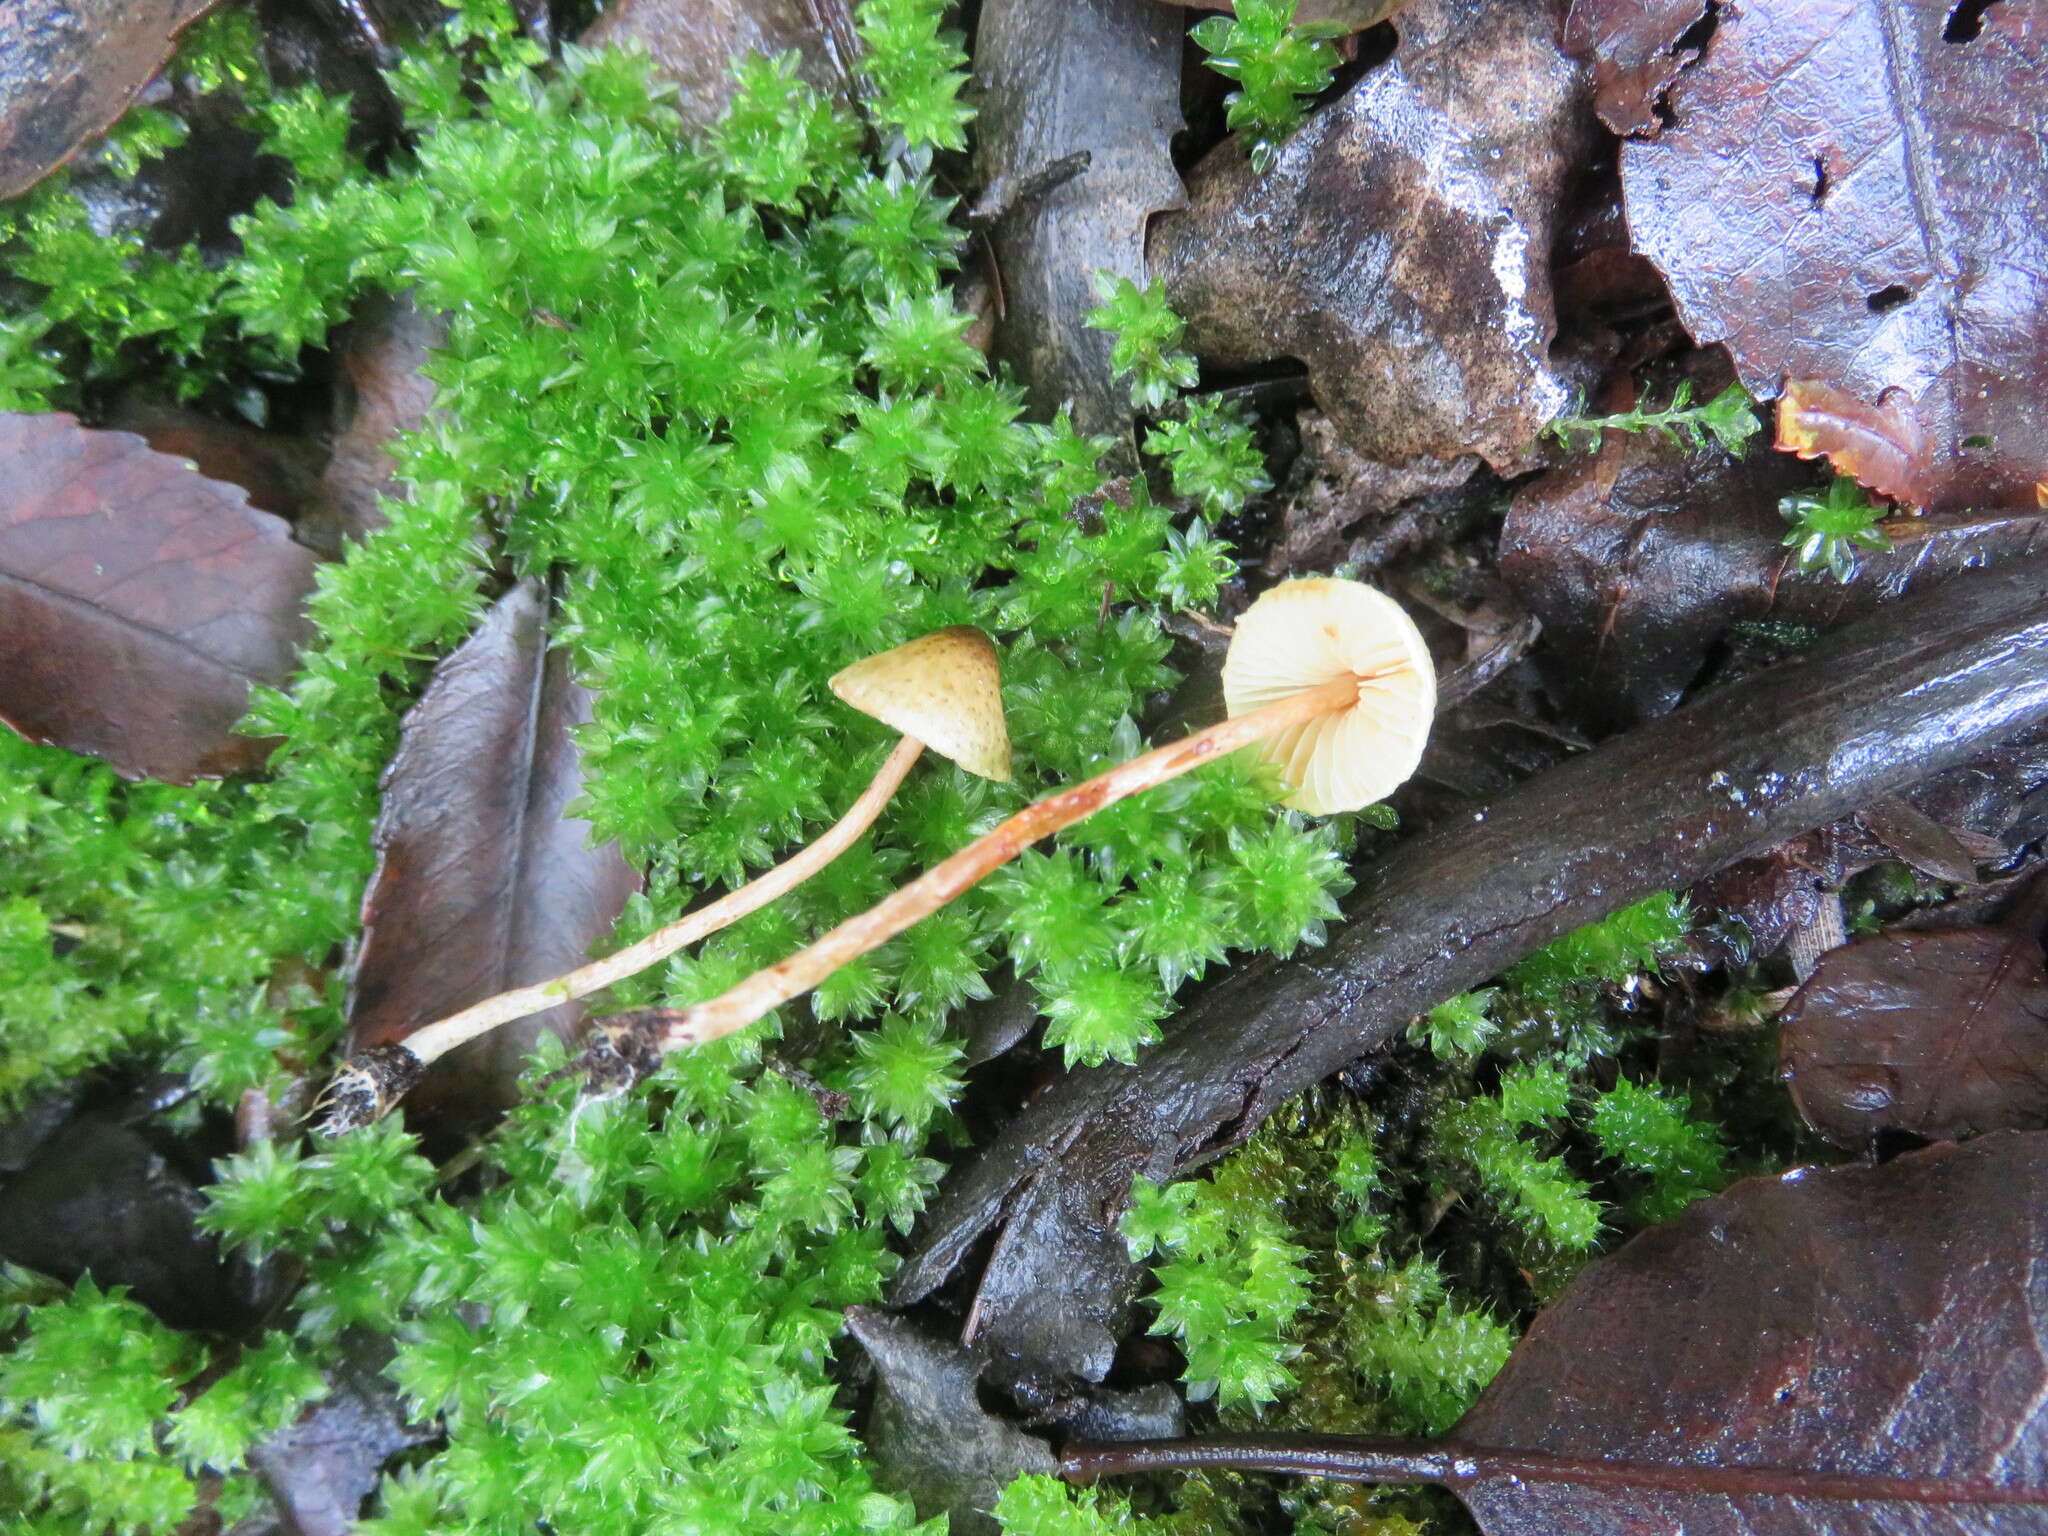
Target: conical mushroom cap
[[1304, 633], [943, 688]]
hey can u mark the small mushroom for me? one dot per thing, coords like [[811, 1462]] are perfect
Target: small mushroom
[[942, 691], [1302, 634], [1329, 678]]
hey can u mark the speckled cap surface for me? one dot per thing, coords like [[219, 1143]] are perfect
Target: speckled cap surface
[[945, 689], [1304, 633]]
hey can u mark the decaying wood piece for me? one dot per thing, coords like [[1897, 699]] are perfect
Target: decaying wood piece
[[1056, 80], [1926, 684]]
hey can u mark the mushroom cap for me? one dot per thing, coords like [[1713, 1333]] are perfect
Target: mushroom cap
[[1304, 633], [945, 689]]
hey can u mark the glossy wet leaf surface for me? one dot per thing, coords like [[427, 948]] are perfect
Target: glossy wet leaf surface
[[1850, 194], [68, 68], [1940, 1033], [1858, 1323], [1397, 246], [1639, 559]]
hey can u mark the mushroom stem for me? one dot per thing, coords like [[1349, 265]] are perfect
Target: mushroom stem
[[777, 984], [439, 1038]]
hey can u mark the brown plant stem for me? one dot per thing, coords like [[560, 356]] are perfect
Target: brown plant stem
[[437, 1039], [776, 984]]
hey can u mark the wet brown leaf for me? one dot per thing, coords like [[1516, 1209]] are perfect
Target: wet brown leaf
[[1333, 489], [1060, 79], [1639, 558], [1850, 192], [1875, 1323], [483, 880], [694, 44], [1880, 446], [277, 471], [1939, 1034], [1841, 1352], [1635, 53], [1400, 244], [68, 68], [138, 602]]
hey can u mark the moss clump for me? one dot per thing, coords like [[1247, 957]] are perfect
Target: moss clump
[[1354, 1272], [716, 390]]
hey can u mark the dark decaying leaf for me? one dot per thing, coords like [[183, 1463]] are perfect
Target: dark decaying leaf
[[1842, 1352], [1059, 79], [1850, 192], [1333, 488], [1400, 244], [320, 1469], [1939, 1033], [1778, 893], [694, 43], [483, 881], [930, 1438], [1933, 682], [1951, 828], [138, 602], [278, 472], [106, 1195], [388, 392], [68, 68], [1638, 559]]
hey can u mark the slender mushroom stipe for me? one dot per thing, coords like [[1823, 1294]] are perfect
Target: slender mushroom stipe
[[1344, 694], [942, 691]]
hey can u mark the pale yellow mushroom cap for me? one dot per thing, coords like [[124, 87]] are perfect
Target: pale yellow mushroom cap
[[943, 688], [1304, 633]]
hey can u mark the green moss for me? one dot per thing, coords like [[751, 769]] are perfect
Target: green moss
[[1828, 530], [1340, 1274], [1277, 63], [1729, 419], [717, 390]]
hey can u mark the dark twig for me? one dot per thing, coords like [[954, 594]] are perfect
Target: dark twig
[[1926, 684]]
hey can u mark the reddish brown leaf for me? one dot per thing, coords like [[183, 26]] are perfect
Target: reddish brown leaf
[[1850, 191], [1881, 446], [694, 43], [1400, 244], [1635, 54], [1941, 1034], [483, 880], [277, 471], [138, 602], [1842, 1352], [68, 68]]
